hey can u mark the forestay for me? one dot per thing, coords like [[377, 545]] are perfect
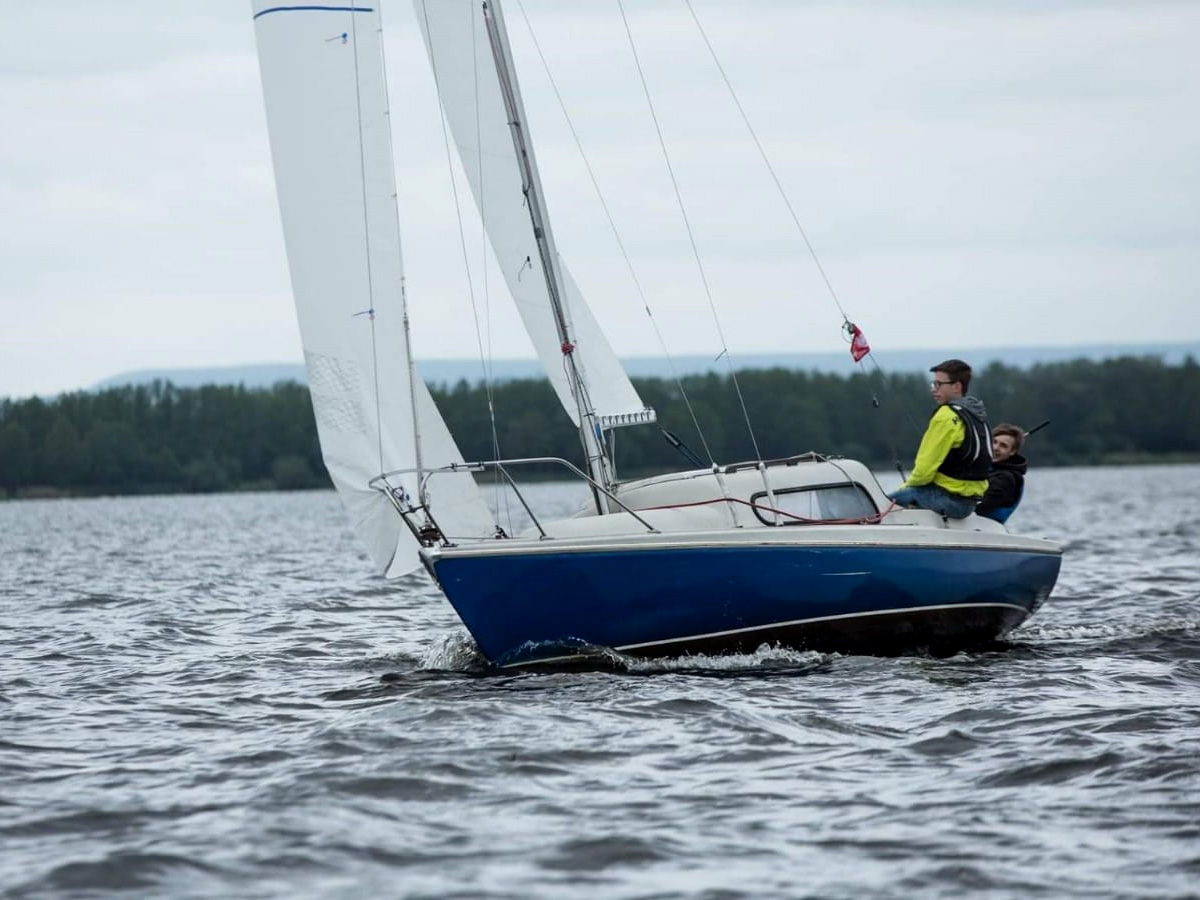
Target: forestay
[[326, 102], [469, 88]]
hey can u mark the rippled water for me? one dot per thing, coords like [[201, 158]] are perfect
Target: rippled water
[[212, 696]]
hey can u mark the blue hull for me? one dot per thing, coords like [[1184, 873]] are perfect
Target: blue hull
[[524, 608]]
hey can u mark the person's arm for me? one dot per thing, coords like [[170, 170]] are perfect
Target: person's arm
[[943, 431], [1001, 491]]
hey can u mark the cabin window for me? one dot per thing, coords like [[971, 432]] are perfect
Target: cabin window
[[831, 501]]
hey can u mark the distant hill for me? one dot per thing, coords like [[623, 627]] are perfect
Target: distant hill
[[451, 371]]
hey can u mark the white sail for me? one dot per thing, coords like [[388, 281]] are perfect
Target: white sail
[[470, 92], [326, 103]]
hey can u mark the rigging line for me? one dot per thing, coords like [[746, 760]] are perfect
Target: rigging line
[[482, 336], [412, 363], [617, 235], [906, 408], [766, 161], [688, 227], [788, 204], [586, 422], [552, 274], [462, 234], [486, 356], [786, 201], [362, 174]]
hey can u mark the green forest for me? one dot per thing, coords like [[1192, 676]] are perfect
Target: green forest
[[161, 439]]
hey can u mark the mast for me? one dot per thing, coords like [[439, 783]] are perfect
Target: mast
[[598, 462]]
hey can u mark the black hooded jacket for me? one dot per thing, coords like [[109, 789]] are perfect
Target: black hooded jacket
[[1006, 482]]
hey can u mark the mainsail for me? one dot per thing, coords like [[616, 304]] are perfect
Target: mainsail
[[327, 115], [472, 95]]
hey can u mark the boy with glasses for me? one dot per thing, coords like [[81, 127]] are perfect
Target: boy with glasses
[[951, 470]]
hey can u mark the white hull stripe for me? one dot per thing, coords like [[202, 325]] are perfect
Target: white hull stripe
[[774, 625]]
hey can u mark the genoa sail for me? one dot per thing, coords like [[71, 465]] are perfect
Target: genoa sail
[[336, 185]]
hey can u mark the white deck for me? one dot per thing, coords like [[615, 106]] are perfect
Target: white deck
[[733, 506]]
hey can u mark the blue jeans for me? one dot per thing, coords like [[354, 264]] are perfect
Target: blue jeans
[[940, 500]]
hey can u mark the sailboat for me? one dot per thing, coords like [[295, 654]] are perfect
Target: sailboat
[[803, 552]]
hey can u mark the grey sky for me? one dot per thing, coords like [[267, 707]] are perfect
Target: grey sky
[[971, 174]]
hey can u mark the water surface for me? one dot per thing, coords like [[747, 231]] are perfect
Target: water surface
[[214, 696]]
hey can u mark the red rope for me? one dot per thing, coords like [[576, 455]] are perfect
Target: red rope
[[866, 520]]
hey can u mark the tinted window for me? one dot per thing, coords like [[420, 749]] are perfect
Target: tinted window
[[839, 501]]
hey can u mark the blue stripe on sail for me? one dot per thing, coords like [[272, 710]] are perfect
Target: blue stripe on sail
[[275, 9]]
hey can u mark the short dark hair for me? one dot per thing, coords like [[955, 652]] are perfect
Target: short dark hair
[[1016, 432], [957, 370]]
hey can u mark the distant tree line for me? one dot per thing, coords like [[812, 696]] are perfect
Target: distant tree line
[[159, 438]]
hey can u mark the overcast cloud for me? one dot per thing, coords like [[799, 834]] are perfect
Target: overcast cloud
[[971, 174]]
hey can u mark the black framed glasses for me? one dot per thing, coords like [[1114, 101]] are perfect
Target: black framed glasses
[[937, 384]]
